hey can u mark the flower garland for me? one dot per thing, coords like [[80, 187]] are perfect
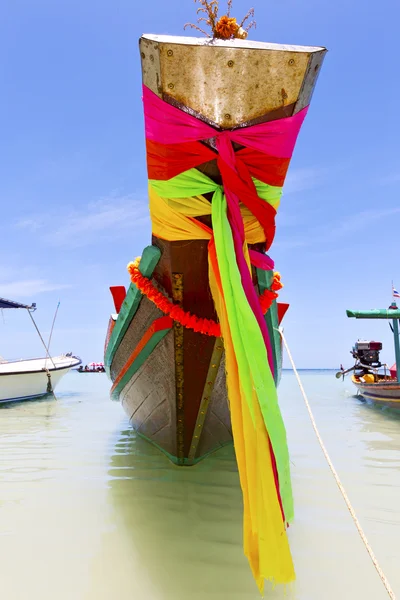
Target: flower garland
[[200, 325]]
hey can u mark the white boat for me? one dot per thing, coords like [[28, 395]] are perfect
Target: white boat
[[32, 378]]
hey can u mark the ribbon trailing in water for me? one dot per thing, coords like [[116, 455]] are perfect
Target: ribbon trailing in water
[[242, 212]]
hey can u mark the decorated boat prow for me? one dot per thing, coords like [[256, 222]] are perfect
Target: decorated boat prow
[[374, 380], [193, 349], [219, 116]]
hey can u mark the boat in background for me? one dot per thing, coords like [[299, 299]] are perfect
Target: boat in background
[[374, 380], [27, 379], [93, 367]]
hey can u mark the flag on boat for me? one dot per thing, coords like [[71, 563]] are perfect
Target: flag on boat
[[395, 292]]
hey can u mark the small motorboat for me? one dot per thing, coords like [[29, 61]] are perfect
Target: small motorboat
[[32, 378], [26, 379], [376, 381]]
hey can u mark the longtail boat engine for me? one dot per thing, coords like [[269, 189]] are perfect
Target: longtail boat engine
[[194, 351], [366, 354]]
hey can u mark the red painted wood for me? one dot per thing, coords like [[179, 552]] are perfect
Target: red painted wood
[[157, 325], [118, 293], [111, 324], [282, 308]]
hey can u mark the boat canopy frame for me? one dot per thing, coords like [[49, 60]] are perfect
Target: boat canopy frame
[[377, 313], [11, 304]]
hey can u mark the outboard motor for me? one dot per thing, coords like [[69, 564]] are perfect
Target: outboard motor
[[367, 353]]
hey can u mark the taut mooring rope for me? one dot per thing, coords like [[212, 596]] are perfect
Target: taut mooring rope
[[337, 479], [50, 389]]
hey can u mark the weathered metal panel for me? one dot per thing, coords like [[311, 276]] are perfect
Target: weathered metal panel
[[310, 80], [151, 69], [228, 83]]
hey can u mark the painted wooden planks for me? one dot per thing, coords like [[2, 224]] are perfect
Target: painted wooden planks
[[150, 257]]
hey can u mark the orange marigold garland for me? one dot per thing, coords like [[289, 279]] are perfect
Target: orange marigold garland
[[226, 27], [204, 326]]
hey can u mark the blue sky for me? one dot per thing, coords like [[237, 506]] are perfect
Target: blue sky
[[73, 177]]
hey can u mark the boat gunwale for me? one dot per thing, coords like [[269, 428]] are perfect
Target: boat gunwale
[[390, 384], [231, 44], [76, 362]]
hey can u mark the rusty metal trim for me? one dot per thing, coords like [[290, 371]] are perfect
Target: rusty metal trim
[[206, 397], [177, 294]]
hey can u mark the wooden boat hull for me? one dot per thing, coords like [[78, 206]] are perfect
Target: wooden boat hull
[[170, 379], [383, 392], [153, 362]]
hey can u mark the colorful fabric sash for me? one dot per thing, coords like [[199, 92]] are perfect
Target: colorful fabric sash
[[243, 212]]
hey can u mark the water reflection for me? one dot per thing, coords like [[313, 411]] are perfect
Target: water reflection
[[89, 511], [184, 523]]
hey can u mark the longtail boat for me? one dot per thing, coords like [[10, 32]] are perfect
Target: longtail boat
[[375, 381], [193, 349]]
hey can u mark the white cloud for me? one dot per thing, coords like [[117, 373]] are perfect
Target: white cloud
[[347, 226], [302, 179], [287, 218], [104, 219], [33, 224], [359, 221], [28, 288], [289, 243]]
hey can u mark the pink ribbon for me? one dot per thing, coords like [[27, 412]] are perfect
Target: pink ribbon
[[166, 124]]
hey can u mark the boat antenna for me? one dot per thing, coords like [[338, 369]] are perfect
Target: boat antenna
[[225, 27], [52, 327]]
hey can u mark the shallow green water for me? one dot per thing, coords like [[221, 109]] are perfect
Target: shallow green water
[[88, 511]]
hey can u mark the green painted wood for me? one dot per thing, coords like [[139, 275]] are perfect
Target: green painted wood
[[137, 363], [396, 346], [265, 279], [150, 257], [377, 313]]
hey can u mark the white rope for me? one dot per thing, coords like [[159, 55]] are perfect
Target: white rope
[[337, 479], [51, 332], [49, 381], [42, 340]]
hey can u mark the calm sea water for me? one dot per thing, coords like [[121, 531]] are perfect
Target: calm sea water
[[88, 511]]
